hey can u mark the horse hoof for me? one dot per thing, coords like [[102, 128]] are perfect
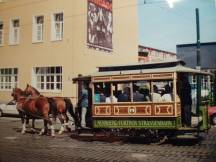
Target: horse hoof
[[23, 131], [60, 132], [41, 133], [33, 130]]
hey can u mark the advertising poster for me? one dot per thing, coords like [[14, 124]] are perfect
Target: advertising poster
[[100, 24]]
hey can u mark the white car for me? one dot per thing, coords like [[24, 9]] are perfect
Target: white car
[[8, 109]]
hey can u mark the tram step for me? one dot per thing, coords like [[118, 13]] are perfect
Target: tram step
[[85, 134], [187, 129], [187, 136]]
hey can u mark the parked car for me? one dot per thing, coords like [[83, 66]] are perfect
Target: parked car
[[212, 114], [8, 109]]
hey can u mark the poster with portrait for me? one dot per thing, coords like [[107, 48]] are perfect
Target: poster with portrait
[[100, 24]]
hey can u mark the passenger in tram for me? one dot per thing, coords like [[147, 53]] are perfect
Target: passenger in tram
[[125, 96], [137, 96], [146, 94], [102, 96], [111, 99], [167, 96], [155, 95], [97, 94]]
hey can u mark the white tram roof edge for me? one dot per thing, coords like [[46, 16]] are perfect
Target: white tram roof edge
[[178, 69]]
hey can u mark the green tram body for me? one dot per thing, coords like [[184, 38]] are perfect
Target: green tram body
[[143, 115]]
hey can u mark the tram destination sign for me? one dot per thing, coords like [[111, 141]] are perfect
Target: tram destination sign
[[148, 123], [100, 25]]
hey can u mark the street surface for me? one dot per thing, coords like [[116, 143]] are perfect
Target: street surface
[[15, 147]]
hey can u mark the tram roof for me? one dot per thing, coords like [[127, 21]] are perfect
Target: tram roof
[[138, 66], [160, 67], [178, 69]]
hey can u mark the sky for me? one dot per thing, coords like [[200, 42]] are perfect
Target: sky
[[163, 27]]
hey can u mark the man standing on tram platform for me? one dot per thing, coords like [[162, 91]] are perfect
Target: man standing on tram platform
[[186, 99], [84, 105]]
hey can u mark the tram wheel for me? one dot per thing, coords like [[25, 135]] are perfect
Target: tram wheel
[[162, 139]]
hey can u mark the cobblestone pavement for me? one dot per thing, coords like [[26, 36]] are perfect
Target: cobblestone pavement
[[15, 147]]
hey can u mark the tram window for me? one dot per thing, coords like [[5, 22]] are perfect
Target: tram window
[[162, 91], [122, 92], [141, 91], [101, 92]]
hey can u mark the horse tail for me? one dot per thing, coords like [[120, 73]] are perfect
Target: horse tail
[[69, 108], [53, 107]]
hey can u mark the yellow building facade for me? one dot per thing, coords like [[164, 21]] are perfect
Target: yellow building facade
[[48, 42]]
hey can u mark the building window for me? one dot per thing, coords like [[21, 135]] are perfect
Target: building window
[[8, 78], [37, 34], [57, 26], [48, 78], [1, 34], [14, 34]]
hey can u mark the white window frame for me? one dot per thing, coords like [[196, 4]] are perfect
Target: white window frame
[[47, 80], [12, 40], [8, 80], [57, 36], [2, 34], [36, 36]]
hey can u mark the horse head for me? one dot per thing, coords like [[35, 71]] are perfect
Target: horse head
[[29, 90], [17, 93]]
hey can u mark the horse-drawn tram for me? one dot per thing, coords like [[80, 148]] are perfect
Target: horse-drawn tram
[[149, 100]]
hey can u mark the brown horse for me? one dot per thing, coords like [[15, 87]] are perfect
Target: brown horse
[[19, 96], [62, 105], [35, 107]]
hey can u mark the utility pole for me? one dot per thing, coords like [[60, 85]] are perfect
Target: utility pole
[[198, 67]]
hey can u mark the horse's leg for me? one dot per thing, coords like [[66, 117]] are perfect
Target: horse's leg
[[49, 121], [27, 122], [51, 127], [33, 124], [62, 124], [23, 123], [66, 121], [44, 129]]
